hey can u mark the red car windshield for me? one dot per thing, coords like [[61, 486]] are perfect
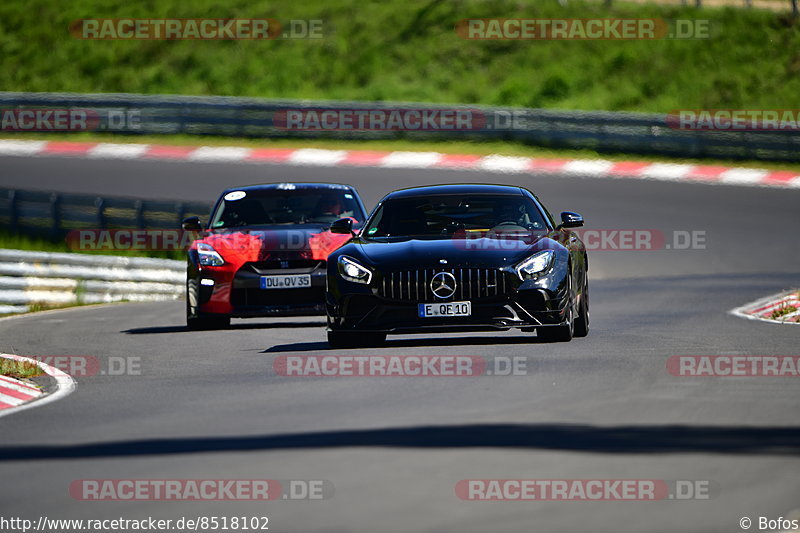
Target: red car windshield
[[279, 206]]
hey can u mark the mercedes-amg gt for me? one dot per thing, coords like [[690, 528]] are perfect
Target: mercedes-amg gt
[[454, 258]]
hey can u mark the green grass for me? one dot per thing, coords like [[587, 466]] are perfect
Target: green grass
[[409, 51], [19, 369], [37, 307], [783, 310], [17, 241]]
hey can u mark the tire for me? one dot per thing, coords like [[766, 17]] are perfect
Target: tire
[[346, 339], [582, 320], [562, 332], [194, 320]]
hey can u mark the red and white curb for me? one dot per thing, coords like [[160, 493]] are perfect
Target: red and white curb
[[16, 396], [14, 392], [362, 158], [762, 309]]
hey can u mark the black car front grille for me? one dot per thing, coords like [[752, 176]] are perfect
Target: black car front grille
[[471, 284], [264, 267]]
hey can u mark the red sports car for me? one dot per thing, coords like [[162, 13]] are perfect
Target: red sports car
[[264, 251]]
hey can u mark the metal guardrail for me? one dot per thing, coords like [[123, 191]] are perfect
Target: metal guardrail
[[775, 5], [28, 278], [642, 133], [55, 214]]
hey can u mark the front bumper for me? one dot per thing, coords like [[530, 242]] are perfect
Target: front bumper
[[240, 295], [527, 308]]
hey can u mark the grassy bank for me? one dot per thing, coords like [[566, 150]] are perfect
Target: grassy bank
[[16, 241], [409, 51], [19, 369]]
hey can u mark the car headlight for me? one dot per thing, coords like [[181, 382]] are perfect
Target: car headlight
[[535, 264], [208, 255], [353, 271]]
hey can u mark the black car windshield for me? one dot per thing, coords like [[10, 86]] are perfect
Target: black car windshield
[[285, 206], [449, 215]]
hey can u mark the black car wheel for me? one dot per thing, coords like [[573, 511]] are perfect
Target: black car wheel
[[582, 321], [563, 332], [196, 321], [560, 333], [346, 339]]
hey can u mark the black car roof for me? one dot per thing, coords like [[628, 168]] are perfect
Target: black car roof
[[289, 186], [461, 188]]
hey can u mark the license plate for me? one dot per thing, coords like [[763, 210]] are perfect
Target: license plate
[[445, 309], [286, 281]]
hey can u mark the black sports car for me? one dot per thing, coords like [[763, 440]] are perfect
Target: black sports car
[[264, 251], [458, 257]]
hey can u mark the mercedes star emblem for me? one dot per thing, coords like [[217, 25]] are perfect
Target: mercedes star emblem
[[443, 285]]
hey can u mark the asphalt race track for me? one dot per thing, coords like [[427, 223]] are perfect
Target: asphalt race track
[[208, 405]]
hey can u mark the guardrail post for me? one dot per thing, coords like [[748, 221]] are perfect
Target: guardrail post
[[55, 215], [14, 201], [182, 119], [180, 208], [139, 208], [101, 218]]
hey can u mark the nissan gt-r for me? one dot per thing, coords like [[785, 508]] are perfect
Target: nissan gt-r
[[264, 251]]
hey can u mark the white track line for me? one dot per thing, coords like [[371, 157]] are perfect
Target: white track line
[[502, 163], [411, 159], [317, 157], [667, 171], [593, 167], [219, 153], [21, 147], [743, 176], [118, 151], [64, 383]]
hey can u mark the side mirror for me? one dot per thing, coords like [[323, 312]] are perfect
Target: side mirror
[[192, 224], [570, 220], [343, 225]]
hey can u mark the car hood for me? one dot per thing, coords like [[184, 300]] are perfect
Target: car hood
[[309, 241], [475, 252]]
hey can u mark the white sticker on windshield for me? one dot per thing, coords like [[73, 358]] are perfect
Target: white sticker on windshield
[[235, 195], [348, 196]]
